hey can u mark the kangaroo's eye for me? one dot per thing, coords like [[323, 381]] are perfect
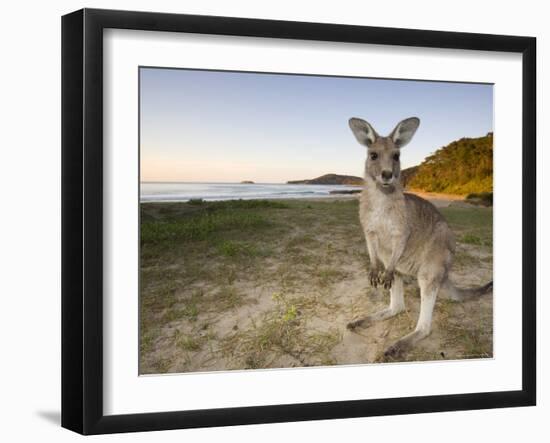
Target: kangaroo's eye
[[373, 156], [396, 157]]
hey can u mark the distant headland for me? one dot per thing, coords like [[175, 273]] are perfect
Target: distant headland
[[330, 179]]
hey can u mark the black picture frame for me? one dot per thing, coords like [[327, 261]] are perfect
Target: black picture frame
[[82, 219]]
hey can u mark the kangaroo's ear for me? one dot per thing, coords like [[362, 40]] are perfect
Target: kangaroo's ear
[[363, 131], [404, 131]]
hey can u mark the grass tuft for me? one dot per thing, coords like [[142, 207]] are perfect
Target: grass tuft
[[281, 332]]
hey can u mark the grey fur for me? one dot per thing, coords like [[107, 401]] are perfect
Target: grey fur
[[405, 234]]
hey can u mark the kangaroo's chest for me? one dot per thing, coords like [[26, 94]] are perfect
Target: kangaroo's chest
[[383, 217]]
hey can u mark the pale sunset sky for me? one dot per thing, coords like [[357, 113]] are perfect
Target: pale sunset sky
[[212, 126]]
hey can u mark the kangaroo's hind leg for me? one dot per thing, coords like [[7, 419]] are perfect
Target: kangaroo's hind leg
[[397, 305], [429, 288]]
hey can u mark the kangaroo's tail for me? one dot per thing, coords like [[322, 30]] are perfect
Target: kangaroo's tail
[[465, 294]]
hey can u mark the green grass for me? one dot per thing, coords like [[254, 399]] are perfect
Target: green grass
[[468, 217], [168, 228], [165, 226], [198, 227], [473, 226], [187, 342], [232, 248]]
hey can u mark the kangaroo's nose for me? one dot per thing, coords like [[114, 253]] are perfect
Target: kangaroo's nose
[[386, 175]]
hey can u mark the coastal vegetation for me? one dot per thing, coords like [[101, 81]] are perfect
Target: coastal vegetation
[[462, 167]]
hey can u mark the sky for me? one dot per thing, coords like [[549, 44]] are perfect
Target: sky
[[218, 126]]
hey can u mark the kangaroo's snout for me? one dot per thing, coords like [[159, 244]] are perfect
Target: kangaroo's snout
[[387, 175]]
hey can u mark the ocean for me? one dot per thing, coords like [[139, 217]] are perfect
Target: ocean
[[180, 192]]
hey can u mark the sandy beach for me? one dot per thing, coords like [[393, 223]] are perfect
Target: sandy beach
[[272, 284], [438, 200]]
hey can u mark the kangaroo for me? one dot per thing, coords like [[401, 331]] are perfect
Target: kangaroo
[[405, 234]]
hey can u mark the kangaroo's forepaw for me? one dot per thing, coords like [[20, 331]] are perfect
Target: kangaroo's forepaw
[[374, 277], [387, 279]]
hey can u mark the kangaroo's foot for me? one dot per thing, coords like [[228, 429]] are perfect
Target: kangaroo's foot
[[369, 320], [403, 345], [360, 323], [429, 288]]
